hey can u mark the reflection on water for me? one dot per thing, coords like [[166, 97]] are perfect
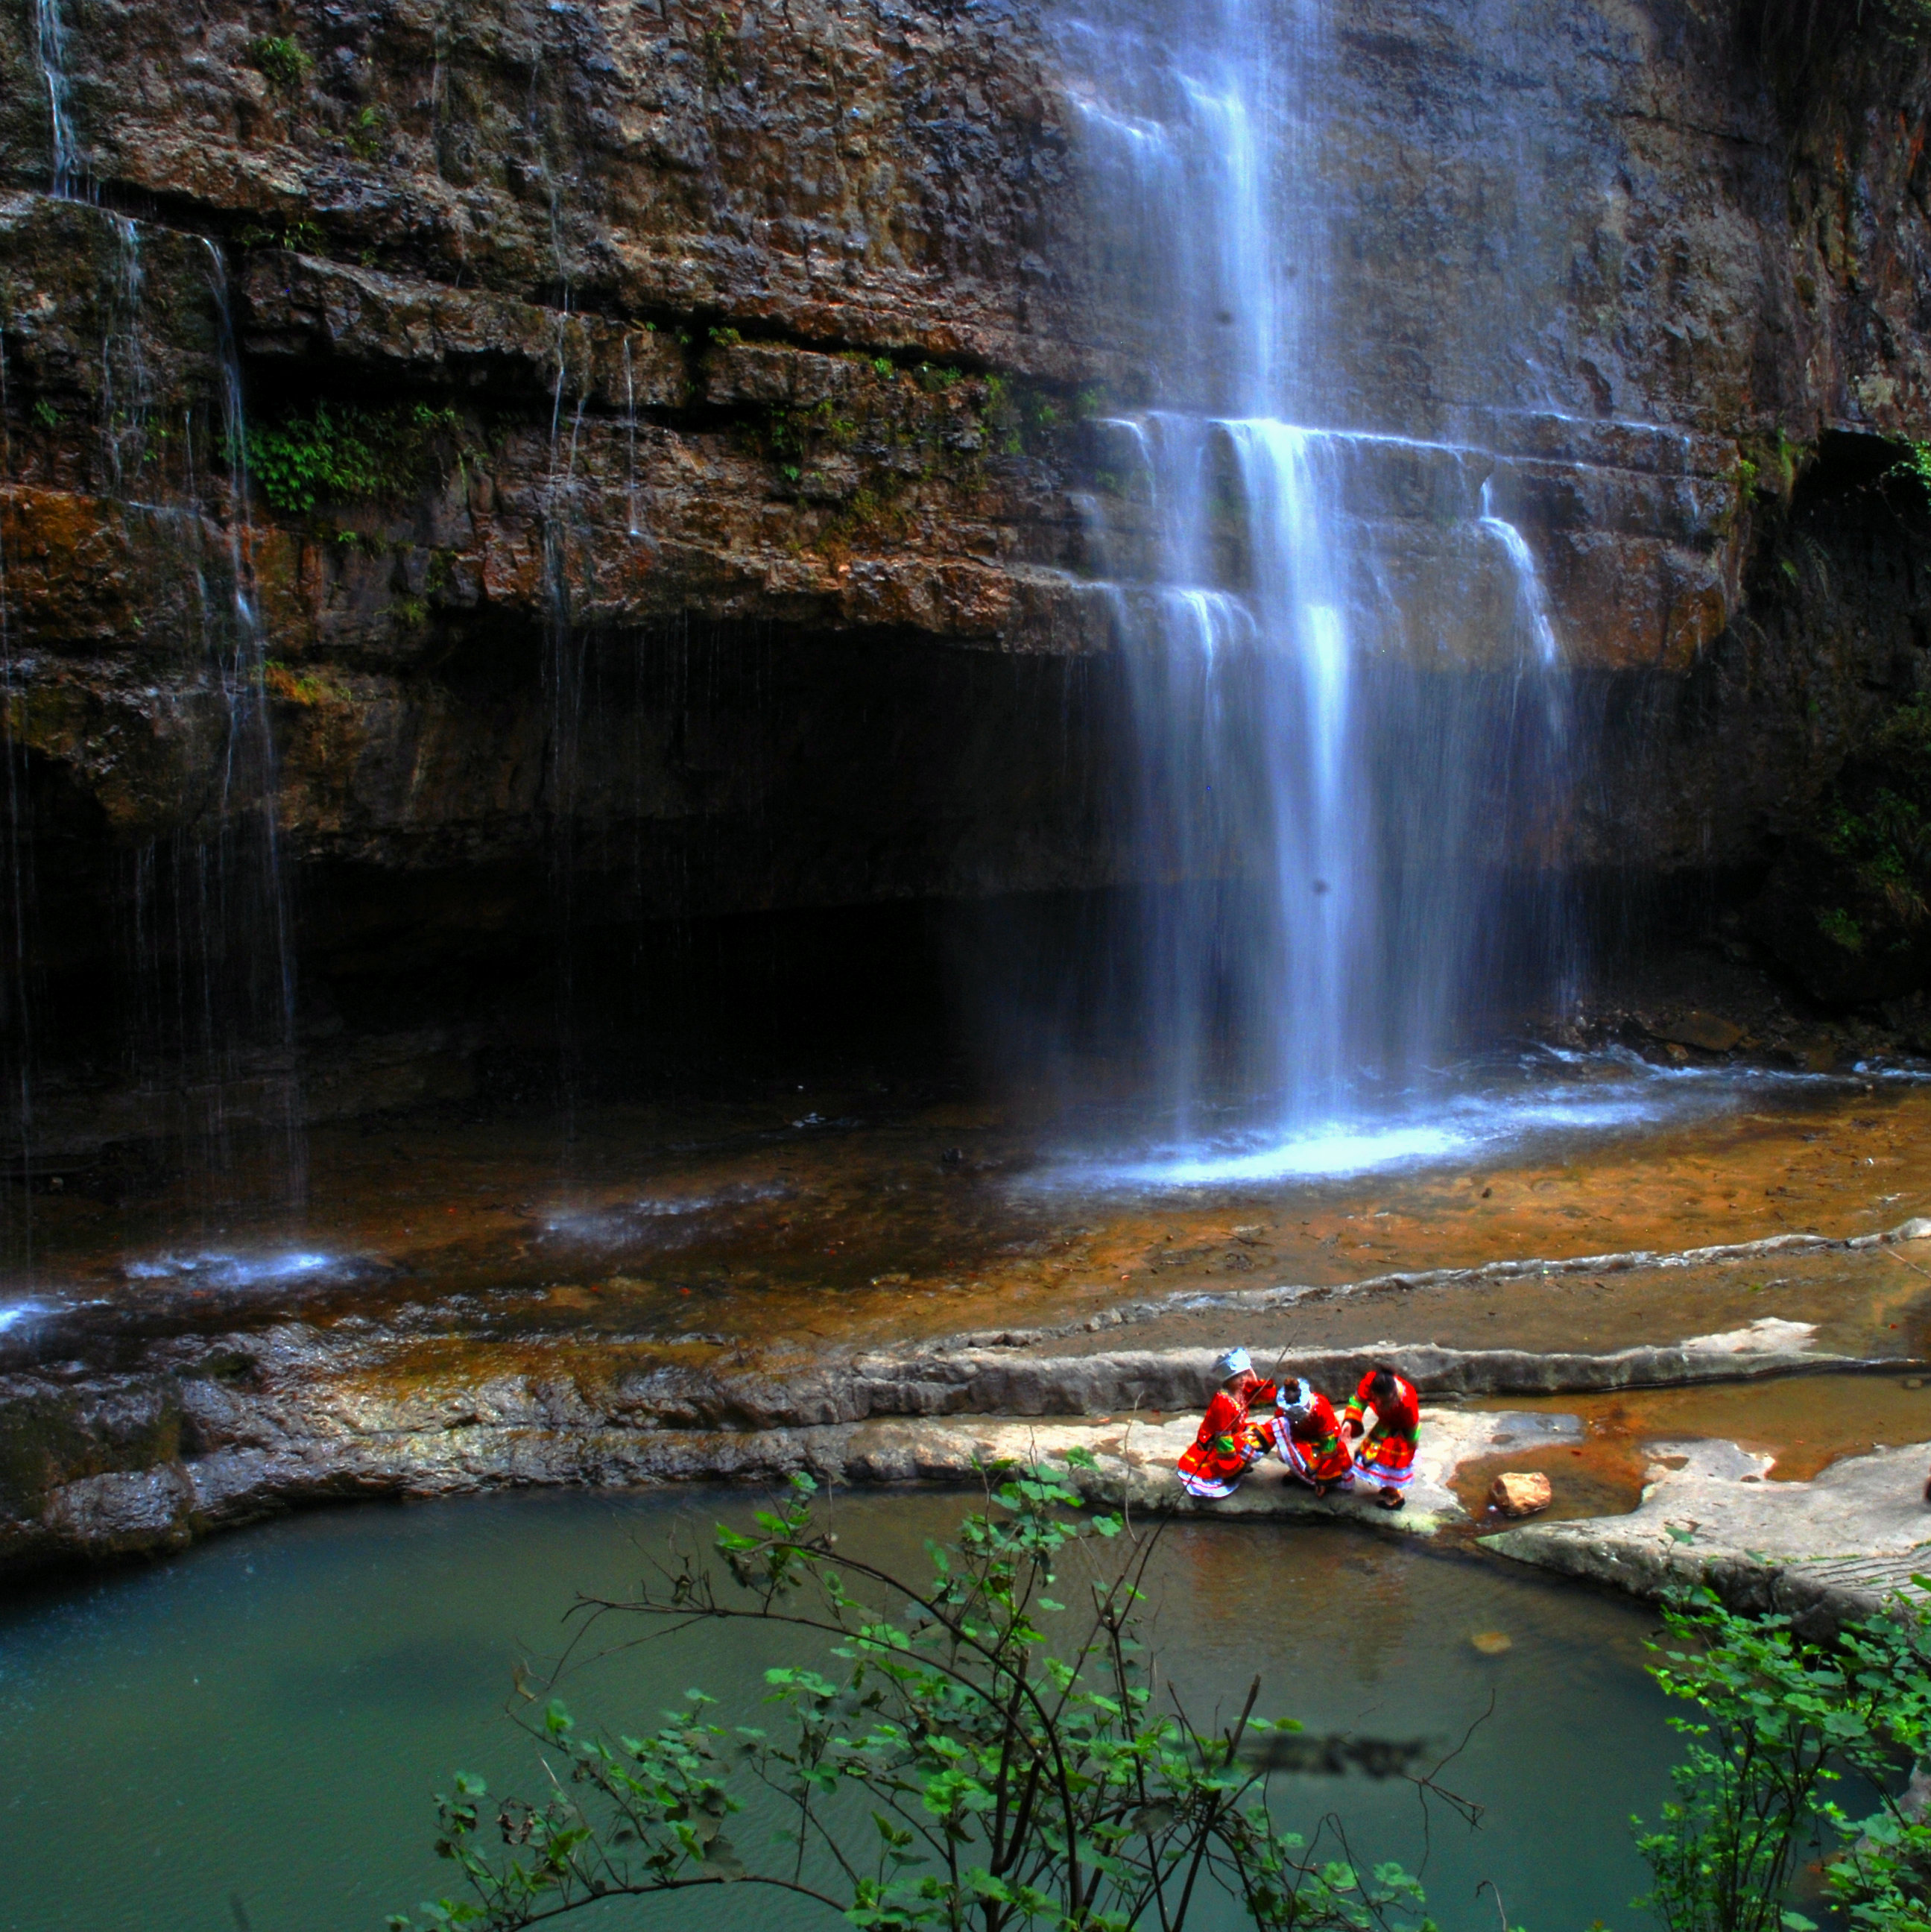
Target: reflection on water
[[268, 1718]]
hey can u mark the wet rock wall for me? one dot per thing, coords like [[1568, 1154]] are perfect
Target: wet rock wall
[[675, 431]]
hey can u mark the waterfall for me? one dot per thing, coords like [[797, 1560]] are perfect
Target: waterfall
[[629, 441], [50, 42], [1334, 792]]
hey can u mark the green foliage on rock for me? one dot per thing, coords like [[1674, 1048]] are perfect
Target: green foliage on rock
[[1847, 904], [1840, 928], [975, 1757], [347, 454], [1781, 1723], [1880, 821], [1021, 417], [284, 63]]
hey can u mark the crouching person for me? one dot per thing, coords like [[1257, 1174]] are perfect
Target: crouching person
[[1228, 1445], [1387, 1456], [1308, 1433]]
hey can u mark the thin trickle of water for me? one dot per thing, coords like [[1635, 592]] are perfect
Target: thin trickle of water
[[1331, 796], [1532, 600], [225, 892], [630, 437], [50, 42], [16, 984], [125, 392], [565, 697]]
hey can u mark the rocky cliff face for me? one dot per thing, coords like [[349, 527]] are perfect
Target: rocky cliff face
[[670, 428]]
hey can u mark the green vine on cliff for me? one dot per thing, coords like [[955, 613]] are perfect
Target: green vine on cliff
[[348, 453]]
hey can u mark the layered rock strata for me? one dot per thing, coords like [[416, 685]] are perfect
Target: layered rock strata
[[790, 323]]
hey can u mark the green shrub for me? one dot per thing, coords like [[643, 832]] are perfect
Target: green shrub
[[301, 236], [365, 134], [1781, 1722]]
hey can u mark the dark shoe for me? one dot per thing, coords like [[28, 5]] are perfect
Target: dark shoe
[[1392, 1499]]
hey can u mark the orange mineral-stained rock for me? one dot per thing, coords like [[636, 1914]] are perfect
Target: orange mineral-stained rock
[[1521, 1494]]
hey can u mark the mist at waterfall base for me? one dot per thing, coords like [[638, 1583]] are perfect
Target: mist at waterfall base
[[267, 1717]]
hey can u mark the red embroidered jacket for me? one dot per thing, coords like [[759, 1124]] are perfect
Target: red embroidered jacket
[[1221, 1450], [1402, 1417]]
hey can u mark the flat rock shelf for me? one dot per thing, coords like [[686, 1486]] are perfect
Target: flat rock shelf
[[1826, 1551]]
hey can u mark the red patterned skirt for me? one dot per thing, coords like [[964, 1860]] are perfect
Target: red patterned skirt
[[1208, 1470], [1327, 1461], [1388, 1460]]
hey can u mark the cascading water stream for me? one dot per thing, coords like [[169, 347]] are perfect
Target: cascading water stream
[[17, 983], [17, 988], [222, 977], [50, 43], [210, 1019], [1331, 792]]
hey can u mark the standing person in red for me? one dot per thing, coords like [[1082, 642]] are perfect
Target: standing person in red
[[1387, 1456], [1307, 1432], [1228, 1445]]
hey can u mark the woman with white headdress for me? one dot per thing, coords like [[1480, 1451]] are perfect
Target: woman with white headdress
[[1308, 1433], [1228, 1445]]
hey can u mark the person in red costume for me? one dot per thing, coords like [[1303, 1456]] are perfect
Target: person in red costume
[[1387, 1456], [1307, 1432], [1228, 1445]]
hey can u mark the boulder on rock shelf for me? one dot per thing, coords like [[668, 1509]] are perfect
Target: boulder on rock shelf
[[1521, 1494]]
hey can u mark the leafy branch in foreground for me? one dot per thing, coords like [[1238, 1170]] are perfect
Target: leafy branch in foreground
[[1783, 1721], [958, 1770]]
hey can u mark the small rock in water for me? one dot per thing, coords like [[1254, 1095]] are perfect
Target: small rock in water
[[1492, 1643], [1515, 1495]]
